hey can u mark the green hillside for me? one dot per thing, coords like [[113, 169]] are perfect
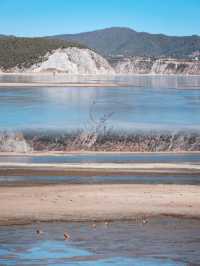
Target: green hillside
[[27, 51]]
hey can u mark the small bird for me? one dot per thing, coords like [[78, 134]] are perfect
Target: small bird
[[144, 221], [39, 232], [66, 236], [106, 224], [94, 225]]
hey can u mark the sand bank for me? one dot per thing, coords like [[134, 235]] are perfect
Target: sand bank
[[58, 84], [96, 202], [85, 152], [97, 168]]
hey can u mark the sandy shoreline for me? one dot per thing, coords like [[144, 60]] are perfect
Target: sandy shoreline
[[50, 203], [83, 152], [97, 168], [58, 84]]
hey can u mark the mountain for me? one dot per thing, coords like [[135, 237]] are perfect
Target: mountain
[[127, 42], [6, 36]]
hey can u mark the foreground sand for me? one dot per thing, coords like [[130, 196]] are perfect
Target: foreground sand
[[96, 202]]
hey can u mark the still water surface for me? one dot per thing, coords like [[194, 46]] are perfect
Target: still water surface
[[148, 103], [163, 241], [109, 179], [161, 102], [193, 158]]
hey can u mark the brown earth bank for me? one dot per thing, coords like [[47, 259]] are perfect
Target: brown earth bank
[[29, 204], [80, 141], [132, 142]]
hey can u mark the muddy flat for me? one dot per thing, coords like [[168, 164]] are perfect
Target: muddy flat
[[96, 202], [96, 168]]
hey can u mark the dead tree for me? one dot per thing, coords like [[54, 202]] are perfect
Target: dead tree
[[88, 137]]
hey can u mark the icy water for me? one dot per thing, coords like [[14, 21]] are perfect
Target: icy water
[[149, 103], [162, 241]]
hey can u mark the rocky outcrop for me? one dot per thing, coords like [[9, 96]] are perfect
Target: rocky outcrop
[[139, 65], [13, 142], [73, 61]]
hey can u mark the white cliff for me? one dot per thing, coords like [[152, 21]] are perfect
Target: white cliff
[[73, 61], [133, 66], [139, 65], [83, 61]]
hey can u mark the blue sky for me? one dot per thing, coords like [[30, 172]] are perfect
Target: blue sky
[[47, 17]]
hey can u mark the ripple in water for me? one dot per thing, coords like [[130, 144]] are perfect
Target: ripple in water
[[163, 241]]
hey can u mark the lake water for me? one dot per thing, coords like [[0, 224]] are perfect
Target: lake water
[[163, 241], [99, 179], [105, 158], [150, 103]]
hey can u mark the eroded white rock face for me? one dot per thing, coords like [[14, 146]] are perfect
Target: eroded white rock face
[[174, 66], [133, 66], [157, 66], [74, 61]]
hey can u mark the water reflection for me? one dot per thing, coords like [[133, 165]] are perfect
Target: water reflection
[[139, 107], [146, 81]]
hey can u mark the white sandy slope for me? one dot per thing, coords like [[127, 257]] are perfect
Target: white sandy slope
[[73, 61]]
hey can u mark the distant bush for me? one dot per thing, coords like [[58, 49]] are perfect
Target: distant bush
[[24, 52]]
